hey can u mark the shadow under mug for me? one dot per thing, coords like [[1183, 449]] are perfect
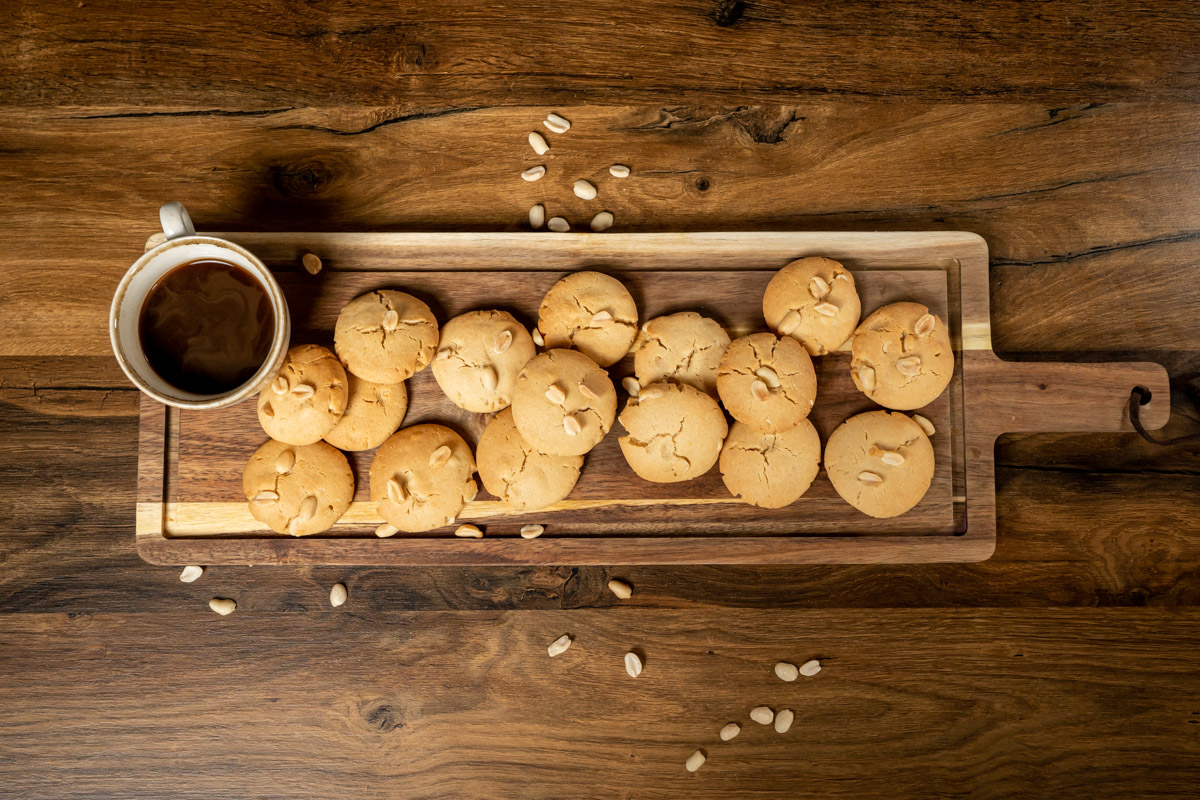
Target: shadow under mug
[[181, 247]]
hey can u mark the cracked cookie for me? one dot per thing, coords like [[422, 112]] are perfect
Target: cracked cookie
[[385, 336], [298, 490], [684, 348], [421, 478], [767, 382], [815, 302], [564, 403], [373, 413], [523, 478], [770, 470], [479, 357], [880, 462], [901, 356], [592, 313], [307, 397], [674, 432]]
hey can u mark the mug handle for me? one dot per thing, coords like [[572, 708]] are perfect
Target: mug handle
[[175, 220]]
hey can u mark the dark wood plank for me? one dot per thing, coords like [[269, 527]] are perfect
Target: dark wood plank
[[1071, 200], [271, 53], [935, 703]]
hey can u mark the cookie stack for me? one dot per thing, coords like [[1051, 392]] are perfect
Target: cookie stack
[[550, 409]]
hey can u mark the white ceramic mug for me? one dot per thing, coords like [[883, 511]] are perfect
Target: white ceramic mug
[[183, 246]]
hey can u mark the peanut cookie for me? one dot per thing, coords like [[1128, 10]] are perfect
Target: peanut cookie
[[564, 403], [421, 477], [767, 382], [307, 397], [815, 302], [592, 313], [523, 478], [674, 432], [770, 470], [479, 357], [901, 356], [683, 348], [374, 412], [385, 336], [298, 490], [880, 462]]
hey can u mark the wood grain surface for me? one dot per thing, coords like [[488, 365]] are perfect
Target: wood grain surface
[[1062, 667]]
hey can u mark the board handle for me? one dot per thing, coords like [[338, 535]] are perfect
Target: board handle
[[1041, 397]]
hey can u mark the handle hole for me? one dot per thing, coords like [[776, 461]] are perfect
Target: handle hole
[[1144, 395]]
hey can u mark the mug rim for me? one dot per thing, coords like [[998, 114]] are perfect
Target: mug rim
[[270, 364]]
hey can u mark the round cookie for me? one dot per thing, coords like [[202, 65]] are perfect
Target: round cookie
[[880, 462], [815, 302], [564, 403], [675, 432], [683, 347], [770, 470], [479, 357], [421, 477], [373, 413], [523, 478], [901, 357], [385, 336], [592, 313], [767, 382], [298, 490], [307, 397]]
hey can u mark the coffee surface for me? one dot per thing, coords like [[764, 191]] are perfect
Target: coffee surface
[[206, 326]]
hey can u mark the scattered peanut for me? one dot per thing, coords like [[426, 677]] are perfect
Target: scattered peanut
[[559, 645], [191, 573], [468, 532], [729, 731], [602, 221], [621, 589], [786, 672], [536, 335], [810, 668], [537, 216], [534, 173], [558, 225], [557, 124], [312, 263], [619, 171], [762, 715], [924, 424], [584, 190], [631, 386], [633, 664], [385, 530], [222, 606], [783, 720], [538, 143], [695, 761], [337, 595], [532, 531]]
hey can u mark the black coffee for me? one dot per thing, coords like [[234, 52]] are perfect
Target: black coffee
[[206, 326]]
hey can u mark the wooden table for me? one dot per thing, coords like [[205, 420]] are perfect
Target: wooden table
[[1066, 666]]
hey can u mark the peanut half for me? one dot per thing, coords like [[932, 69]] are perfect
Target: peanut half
[[621, 589], [337, 595], [559, 645], [191, 573], [786, 672]]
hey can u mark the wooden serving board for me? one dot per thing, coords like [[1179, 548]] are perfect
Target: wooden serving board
[[191, 509]]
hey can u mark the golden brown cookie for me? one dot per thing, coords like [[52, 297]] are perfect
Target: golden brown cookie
[[564, 403], [682, 348], [298, 490], [674, 432], [880, 462], [770, 470], [479, 357], [814, 301], [901, 357], [592, 313], [523, 478], [385, 336], [373, 413], [307, 397], [421, 477], [767, 382]]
